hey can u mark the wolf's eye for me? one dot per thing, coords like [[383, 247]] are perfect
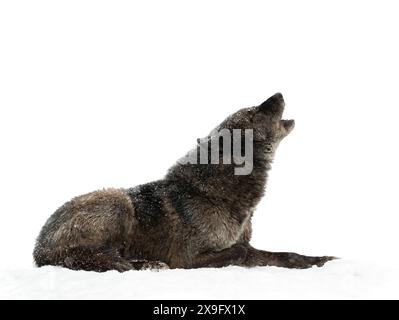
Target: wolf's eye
[[250, 115]]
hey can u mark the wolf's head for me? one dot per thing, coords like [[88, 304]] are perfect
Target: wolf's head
[[265, 119], [255, 132]]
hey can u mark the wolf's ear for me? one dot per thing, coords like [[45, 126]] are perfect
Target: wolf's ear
[[274, 105]]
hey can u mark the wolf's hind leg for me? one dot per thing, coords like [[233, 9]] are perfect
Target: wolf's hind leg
[[91, 259], [101, 260], [283, 259]]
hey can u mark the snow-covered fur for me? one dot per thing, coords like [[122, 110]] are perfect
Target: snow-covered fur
[[199, 215]]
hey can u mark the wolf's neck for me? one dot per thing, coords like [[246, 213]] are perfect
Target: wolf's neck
[[218, 182]]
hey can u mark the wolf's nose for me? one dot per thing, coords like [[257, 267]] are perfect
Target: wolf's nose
[[278, 96], [274, 106], [277, 99]]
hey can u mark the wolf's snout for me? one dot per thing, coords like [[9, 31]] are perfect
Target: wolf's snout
[[278, 98], [274, 106]]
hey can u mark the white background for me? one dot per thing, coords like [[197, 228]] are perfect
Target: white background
[[100, 94]]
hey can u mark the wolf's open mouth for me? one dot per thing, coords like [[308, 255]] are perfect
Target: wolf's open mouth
[[288, 124]]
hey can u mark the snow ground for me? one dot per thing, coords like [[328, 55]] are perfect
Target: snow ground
[[341, 279]]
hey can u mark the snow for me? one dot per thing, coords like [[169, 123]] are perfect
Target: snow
[[114, 98], [341, 279]]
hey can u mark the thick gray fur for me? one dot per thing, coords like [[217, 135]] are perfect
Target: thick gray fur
[[198, 216]]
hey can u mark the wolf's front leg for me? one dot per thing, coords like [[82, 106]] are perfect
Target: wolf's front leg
[[282, 259], [234, 255]]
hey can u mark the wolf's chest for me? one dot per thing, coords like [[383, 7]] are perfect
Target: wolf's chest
[[224, 231]]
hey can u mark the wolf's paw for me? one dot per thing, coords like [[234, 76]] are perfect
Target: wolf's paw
[[320, 261], [123, 266], [158, 265], [294, 260], [148, 265], [305, 262]]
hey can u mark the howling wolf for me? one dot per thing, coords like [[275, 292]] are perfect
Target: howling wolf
[[198, 216]]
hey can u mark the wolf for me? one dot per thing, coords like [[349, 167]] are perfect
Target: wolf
[[198, 215]]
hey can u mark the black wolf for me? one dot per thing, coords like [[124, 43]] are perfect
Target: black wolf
[[198, 216]]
